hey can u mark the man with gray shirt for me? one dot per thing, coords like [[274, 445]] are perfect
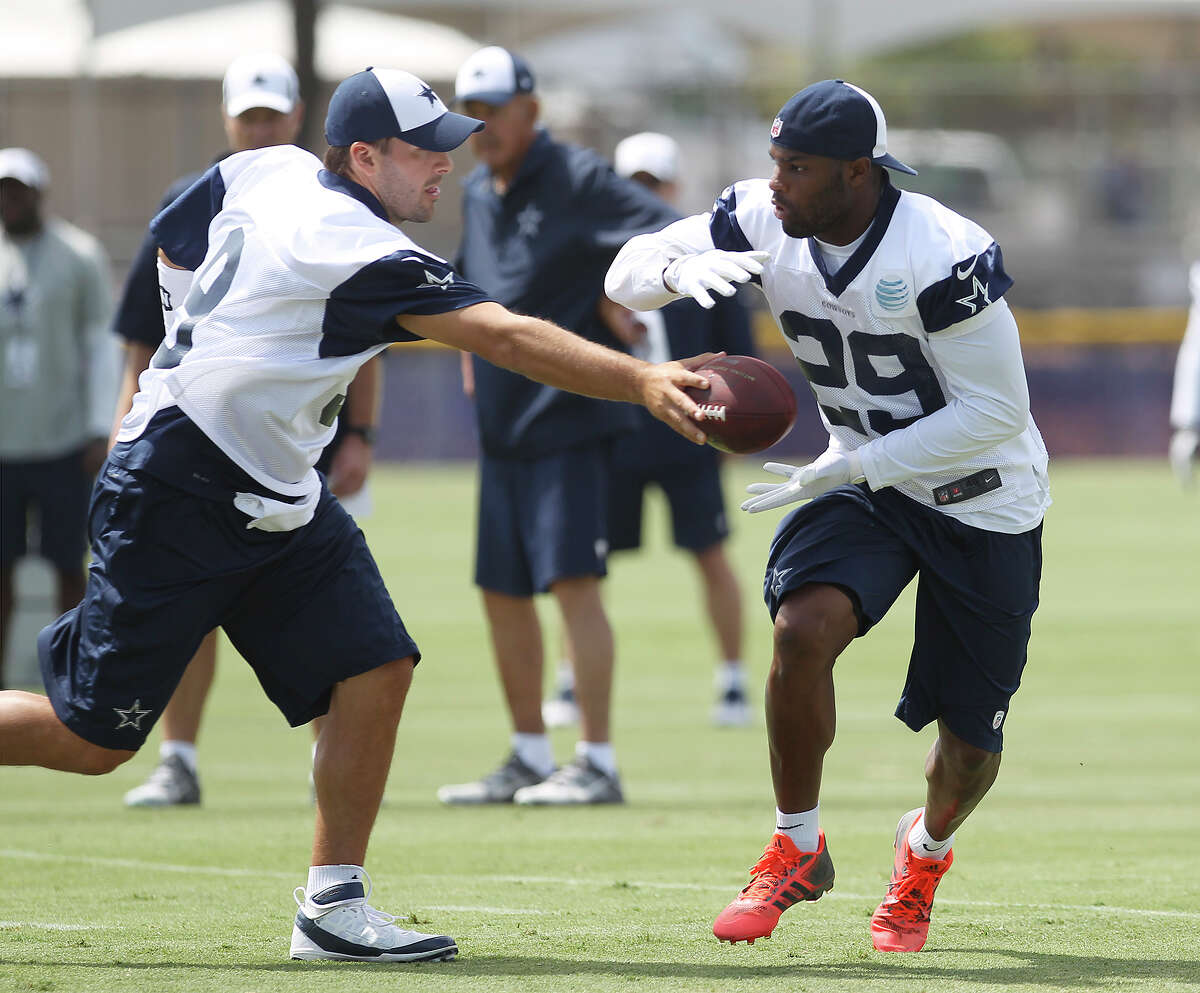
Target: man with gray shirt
[[59, 380]]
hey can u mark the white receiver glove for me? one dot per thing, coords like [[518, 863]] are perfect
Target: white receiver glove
[[804, 482], [696, 275]]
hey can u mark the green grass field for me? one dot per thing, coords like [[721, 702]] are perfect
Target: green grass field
[[1080, 871]]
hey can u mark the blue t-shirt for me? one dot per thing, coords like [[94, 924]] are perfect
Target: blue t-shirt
[[543, 249]]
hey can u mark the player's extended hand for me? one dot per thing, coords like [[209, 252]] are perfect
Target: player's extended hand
[[662, 390], [717, 271], [1182, 453], [804, 482], [350, 466]]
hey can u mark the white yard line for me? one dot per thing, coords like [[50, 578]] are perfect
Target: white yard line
[[55, 926], [599, 884]]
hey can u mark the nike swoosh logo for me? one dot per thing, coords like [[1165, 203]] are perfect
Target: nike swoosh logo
[[963, 274]]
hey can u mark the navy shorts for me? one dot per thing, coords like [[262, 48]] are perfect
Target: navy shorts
[[542, 520], [693, 491], [57, 491], [306, 608], [976, 594]]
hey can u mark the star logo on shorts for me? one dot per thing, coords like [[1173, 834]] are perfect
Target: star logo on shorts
[[132, 716], [777, 578]]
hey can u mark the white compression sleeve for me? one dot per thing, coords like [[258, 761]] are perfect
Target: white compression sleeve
[[990, 404], [173, 286], [634, 279]]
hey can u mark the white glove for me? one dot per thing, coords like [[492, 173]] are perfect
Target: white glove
[[695, 275], [1182, 454], [804, 482]]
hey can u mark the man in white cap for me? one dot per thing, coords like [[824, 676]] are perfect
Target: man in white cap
[[283, 278], [541, 222], [58, 362], [689, 477], [893, 306], [261, 107]]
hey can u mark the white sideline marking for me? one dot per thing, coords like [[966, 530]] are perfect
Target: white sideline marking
[[51, 926], [213, 870], [200, 870], [507, 911]]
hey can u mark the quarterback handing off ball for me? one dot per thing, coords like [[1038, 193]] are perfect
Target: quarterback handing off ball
[[748, 405]]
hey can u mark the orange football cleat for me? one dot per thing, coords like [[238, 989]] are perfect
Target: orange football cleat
[[783, 876], [901, 922]]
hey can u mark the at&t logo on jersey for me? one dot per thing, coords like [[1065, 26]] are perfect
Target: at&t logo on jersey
[[892, 294]]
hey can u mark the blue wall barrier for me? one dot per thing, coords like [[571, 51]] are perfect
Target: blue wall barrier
[[1088, 400]]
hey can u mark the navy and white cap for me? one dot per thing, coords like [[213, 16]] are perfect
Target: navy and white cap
[[493, 75], [836, 120], [391, 103], [262, 80]]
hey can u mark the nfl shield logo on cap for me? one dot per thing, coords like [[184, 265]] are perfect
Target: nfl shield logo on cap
[[837, 120]]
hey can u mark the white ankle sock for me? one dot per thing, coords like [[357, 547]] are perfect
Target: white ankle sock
[[803, 828], [924, 846], [321, 877], [600, 754], [534, 750], [731, 675], [565, 678], [185, 750]]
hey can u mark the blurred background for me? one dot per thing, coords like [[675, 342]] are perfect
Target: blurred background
[[1069, 128]]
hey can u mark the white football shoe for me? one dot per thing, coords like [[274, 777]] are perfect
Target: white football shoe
[[171, 784], [338, 923]]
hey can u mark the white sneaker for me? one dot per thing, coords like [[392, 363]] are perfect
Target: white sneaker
[[171, 784], [577, 782], [495, 787], [561, 710], [338, 923], [732, 709]]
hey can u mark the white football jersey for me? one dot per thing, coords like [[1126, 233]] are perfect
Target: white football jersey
[[299, 279], [866, 336]]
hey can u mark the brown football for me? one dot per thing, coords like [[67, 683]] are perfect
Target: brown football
[[748, 405]]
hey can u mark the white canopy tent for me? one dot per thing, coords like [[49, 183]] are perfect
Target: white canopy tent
[[845, 27], [53, 38]]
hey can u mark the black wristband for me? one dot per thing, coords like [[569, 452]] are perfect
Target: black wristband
[[364, 431]]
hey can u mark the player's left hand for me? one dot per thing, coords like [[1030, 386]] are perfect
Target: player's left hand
[[1182, 453], [621, 321], [93, 456], [350, 465], [803, 482]]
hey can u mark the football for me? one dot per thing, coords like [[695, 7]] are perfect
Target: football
[[748, 405]]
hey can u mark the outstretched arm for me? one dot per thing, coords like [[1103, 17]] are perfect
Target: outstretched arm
[[653, 269], [551, 355]]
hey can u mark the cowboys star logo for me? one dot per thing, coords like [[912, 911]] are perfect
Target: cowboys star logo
[[529, 221], [432, 281], [131, 717]]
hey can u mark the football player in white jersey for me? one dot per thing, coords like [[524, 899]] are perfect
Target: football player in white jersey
[[893, 306], [282, 279]]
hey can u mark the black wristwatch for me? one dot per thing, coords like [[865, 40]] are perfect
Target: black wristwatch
[[364, 431]]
